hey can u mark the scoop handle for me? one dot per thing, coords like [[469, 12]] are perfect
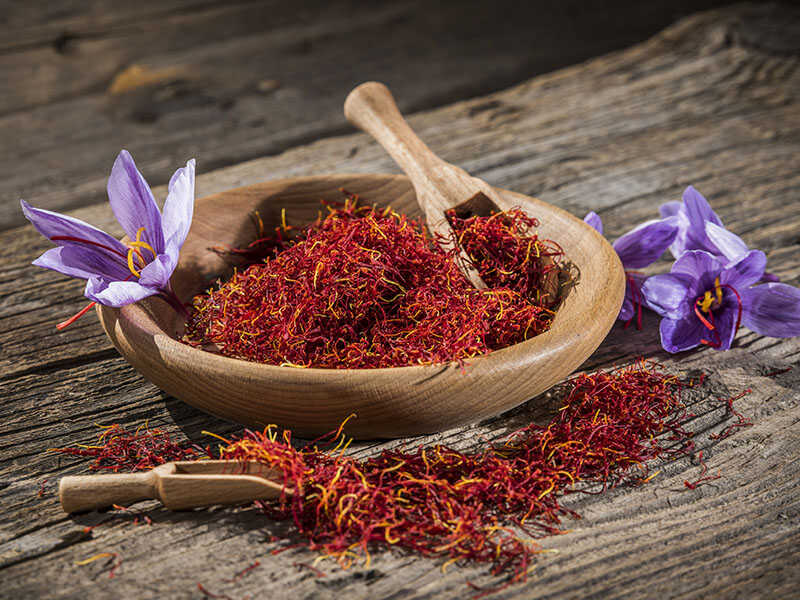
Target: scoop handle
[[88, 492], [439, 185], [371, 107]]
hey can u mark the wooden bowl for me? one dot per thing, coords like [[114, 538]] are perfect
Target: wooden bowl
[[390, 402]]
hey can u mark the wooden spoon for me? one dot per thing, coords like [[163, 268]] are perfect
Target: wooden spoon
[[179, 485], [439, 186]]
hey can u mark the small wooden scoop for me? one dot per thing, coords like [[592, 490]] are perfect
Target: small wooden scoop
[[440, 186], [179, 485]]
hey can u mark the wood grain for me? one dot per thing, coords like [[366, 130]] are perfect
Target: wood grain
[[713, 101], [231, 81]]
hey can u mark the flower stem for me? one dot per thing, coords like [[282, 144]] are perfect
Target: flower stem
[[174, 302]]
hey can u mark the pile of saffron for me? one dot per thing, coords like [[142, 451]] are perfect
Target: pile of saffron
[[507, 256], [120, 450], [484, 506], [475, 506], [367, 288]]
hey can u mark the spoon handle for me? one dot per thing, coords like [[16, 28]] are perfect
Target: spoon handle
[[439, 185], [372, 108], [87, 492]]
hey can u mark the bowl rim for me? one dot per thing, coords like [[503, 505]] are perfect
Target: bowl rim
[[135, 314]]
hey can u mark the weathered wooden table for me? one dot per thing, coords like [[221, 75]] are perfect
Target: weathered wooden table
[[712, 101]]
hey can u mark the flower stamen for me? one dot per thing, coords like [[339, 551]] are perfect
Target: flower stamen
[[133, 270], [711, 301], [133, 249], [707, 303], [141, 244]]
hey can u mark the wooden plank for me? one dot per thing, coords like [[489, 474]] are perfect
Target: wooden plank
[[707, 102], [632, 540], [533, 139], [233, 81], [36, 23]]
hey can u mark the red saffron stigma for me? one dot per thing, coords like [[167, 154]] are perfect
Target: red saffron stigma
[[488, 505], [366, 288], [475, 506], [316, 571], [75, 317], [778, 372], [738, 301], [69, 238], [709, 324], [208, 594], [119, 450], [246, 571], [636, 299], [741, 420], [703, 477]]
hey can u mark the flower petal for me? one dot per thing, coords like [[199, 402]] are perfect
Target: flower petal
[[729, 244], [133, 203], [669, 209], [157, 273], [746, 271], [81, 262], [678, 335], [593, 220], [54, 225], [626, 312], [116, 293], [681, 242], [725, 326], [772, 309], [668, 294], [697, 208], [643, 245], [701, 266], [691, 219], [178, 208], [769, 278]]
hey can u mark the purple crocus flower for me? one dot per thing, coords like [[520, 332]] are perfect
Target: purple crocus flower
[[119, 273], [705, 298], [637, 249], [700, 228]]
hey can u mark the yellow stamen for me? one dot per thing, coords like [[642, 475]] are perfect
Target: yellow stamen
[[145, 245], [130, 263], [140, 243], [133, 250], [708, 299]]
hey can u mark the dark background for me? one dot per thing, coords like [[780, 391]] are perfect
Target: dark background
[[230, 81]]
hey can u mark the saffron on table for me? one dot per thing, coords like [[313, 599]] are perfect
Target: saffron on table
[[459, 507], [474, 506]]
